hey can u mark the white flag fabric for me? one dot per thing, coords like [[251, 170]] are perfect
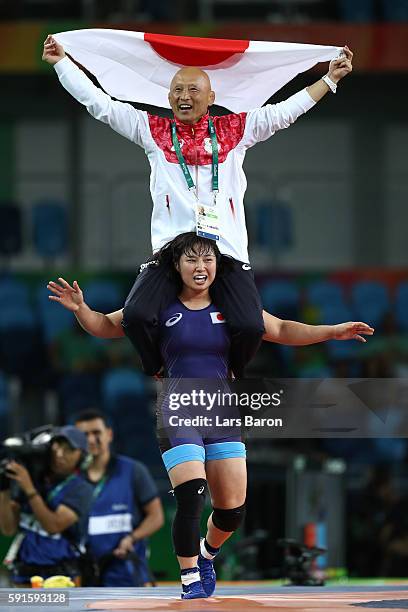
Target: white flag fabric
[[138, 67]]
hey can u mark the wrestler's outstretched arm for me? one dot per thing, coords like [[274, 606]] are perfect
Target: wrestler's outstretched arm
[[294, 333], [95, 323]]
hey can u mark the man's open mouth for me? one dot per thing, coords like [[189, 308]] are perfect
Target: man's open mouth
[[185, 107]]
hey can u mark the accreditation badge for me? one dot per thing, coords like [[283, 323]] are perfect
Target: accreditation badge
[[207, 222]]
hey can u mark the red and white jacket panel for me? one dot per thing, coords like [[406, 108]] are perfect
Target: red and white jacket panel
[[173, 203]]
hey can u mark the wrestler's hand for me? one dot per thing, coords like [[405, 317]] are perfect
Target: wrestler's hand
[[352, 331], [341, 66], [53, 51], [71, 297]]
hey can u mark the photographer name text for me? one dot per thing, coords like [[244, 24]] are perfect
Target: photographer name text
[[206, 421]]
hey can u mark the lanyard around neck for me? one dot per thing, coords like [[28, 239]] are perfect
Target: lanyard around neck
[[97, 490], [54, 492], [214, 146]]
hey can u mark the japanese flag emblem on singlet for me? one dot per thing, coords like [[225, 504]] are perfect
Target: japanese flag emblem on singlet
[[217, 317]]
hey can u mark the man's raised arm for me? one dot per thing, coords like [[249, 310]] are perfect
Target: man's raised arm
[[121, 117], [264, 122], [338, 69]]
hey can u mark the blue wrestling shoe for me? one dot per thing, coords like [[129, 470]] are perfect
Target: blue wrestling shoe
[[191, 584], [207, 574], [193, 591]]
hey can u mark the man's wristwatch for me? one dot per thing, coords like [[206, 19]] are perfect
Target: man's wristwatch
[[330, 84], [32, 494]]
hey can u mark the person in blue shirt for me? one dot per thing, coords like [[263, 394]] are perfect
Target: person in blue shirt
[[195, 342], [51, 515], [126, 507]]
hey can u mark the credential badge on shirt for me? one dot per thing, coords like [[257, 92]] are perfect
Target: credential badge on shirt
[[207, 222]]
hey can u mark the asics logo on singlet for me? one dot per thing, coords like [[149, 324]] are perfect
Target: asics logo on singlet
[[246, 267], [174, 319], [200, 490]]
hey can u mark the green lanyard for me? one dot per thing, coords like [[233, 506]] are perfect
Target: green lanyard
[[54, 492], [99, 487], [214, 146]]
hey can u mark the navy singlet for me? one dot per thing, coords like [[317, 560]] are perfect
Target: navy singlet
[[194, 343]]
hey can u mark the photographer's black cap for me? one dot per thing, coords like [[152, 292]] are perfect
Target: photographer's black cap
[[73, 435]]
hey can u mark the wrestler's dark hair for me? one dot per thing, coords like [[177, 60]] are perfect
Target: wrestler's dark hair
[[191, 244]]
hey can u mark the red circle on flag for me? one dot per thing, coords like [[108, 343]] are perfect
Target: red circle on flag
[[192, 51], [220, 317]]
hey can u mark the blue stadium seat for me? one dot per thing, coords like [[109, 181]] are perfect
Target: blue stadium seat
[[122, 381], [395, 10], [20, 350], [336, 313], [370, 301], [281, 298], [339, 349], [274, 225], [103, 295], [78, 391], [54, 319], [325, 293], [401, 305], [357, 11], [13, 291], [10, 229], [125, 399], [342, 349], [134, 426], [4, 395], [4, 406], [16, 316], [50, 229]]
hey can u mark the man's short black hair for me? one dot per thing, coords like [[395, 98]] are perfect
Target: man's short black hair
[[90, 414]]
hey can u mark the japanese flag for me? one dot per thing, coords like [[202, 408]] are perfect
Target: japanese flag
[[217, 317], [138, 67]]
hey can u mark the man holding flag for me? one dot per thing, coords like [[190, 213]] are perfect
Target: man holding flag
[[197, 181]]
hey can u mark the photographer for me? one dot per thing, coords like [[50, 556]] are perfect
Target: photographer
[[126, 508], [50, 515]]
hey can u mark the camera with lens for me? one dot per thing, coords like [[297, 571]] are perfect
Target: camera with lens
[[31, 449], [299, 563]]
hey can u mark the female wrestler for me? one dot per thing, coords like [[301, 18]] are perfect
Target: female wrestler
[[193, 344]]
